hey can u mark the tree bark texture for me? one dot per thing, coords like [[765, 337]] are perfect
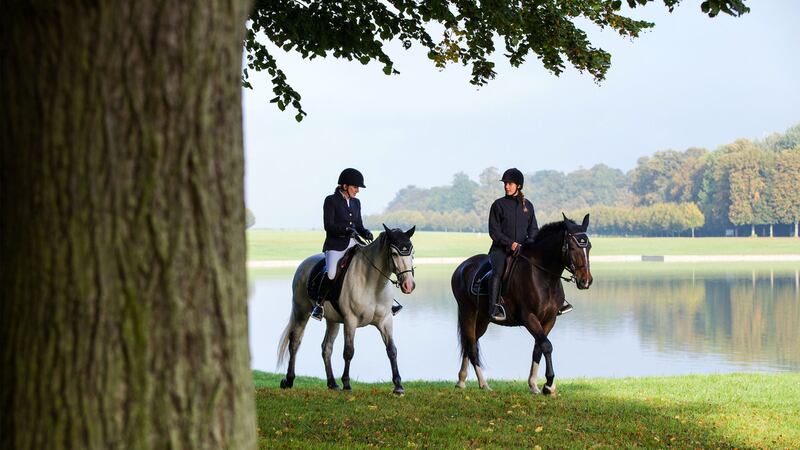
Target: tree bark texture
[[123, 320]]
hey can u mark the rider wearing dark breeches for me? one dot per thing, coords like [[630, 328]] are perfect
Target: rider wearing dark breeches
[[512, 222]]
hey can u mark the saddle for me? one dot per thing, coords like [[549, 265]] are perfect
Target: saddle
[[319, 270], [482, 277]]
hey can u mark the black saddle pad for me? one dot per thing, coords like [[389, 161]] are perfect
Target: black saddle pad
[[480, 281], [319, 270]]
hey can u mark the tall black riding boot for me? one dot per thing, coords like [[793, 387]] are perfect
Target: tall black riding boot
[[497, 313], [324, 288]]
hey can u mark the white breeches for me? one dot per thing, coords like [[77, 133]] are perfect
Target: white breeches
[[332, 258]]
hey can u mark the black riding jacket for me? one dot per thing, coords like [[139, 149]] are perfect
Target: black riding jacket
[[337, 217], [508, 223]]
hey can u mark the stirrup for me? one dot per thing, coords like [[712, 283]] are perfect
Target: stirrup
[[396, 308], [498, 312], [564, 309], [317, 312]]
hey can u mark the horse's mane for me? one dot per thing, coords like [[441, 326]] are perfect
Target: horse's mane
[[551, 230]]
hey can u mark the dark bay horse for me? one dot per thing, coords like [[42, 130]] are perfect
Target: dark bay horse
[[532, 295], [366, 299]]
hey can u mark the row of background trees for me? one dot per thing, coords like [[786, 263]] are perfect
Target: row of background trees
[[742, 188]]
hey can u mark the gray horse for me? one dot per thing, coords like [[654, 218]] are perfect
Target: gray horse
[[366, 299]]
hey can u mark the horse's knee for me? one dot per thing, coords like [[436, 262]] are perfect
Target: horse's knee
[[349, 351], [391, 350], [546, 346]]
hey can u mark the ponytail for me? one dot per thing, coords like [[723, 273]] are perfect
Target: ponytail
[[522, 200]]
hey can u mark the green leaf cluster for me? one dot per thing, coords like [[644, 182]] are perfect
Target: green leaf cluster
[[453, 32]]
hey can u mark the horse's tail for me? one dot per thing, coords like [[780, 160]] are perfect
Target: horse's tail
[[470, 348], [467, 316], [295, 324]]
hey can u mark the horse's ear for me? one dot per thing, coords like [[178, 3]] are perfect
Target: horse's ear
[[385, 227], [410, 232], [564, 216], [585, 223]]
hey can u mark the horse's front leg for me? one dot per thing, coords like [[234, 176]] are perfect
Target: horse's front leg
[[537, 356], [543, 346], [349, 351], [549, 374], [391, 351], [331, 332]]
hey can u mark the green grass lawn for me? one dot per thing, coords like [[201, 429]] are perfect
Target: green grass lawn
[[291, 245], [697, 411]]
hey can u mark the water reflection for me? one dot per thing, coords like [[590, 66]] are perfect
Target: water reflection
[[648, 319]]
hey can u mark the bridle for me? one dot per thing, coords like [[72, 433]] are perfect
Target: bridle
[[581, 240], [402, 250]]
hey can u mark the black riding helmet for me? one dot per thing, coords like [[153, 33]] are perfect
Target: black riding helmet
[[351, 177], [513, 175]]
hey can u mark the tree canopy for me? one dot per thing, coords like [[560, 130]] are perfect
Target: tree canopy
[[460, 31], [741, 183]]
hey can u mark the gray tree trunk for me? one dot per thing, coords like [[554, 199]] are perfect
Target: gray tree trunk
[[123, 320]]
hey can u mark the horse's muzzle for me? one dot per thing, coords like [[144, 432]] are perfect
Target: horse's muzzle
[[407, 285], [584, 283]]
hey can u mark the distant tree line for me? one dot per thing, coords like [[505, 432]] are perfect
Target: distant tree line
[[732, 189]]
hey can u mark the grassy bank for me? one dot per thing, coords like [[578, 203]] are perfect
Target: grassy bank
[[283, 245], [726, 411]]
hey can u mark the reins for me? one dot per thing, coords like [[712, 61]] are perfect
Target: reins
[[566, 259], [396, 282]]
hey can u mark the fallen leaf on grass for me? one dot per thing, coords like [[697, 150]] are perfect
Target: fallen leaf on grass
[[538, 429]]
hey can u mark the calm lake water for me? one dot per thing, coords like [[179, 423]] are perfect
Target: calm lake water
[[637, 319]]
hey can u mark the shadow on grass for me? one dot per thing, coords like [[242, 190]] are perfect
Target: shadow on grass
[[586, 413]]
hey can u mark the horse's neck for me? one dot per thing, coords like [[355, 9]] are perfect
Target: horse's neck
[[373, 255], [548, 254]]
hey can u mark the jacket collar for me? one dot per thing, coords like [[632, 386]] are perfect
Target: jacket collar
[[339, 196]]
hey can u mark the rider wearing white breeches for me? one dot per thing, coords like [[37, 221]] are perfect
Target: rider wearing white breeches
[[342, 220], [332, 258]]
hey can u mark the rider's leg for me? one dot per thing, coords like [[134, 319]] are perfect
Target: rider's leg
[[565, 308], [332, 258], [498, 258]]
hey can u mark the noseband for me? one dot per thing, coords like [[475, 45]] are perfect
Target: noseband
[[581, 239], [402, 250]]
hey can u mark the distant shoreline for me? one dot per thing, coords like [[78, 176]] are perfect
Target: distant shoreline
[[276, 264]]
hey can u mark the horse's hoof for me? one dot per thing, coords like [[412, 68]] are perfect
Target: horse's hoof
[[486, 387], [461, 385], [347, 387], [286, 384], [549, 390], [399, 391], [334, 387], [535, 390]]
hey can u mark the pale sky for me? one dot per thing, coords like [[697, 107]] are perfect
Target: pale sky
[[691, 81]]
